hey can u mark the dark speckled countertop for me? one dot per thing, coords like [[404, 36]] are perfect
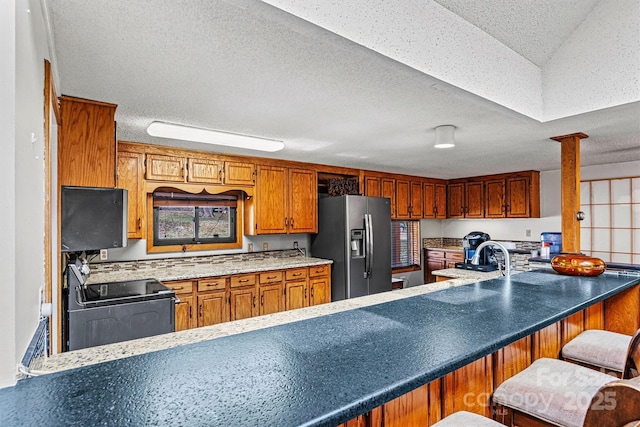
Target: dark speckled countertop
[[320, 371]]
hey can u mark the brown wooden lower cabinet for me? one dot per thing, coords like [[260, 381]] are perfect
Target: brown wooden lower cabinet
[[212, 300], [470, 387]]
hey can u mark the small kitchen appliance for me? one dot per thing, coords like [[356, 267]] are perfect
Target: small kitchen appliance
[[470, 243]]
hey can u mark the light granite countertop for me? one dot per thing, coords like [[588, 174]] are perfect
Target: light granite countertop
[[93, 355], [457, 273], [134, 270]]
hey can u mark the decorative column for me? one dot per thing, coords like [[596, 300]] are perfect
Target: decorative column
[[570, 189]]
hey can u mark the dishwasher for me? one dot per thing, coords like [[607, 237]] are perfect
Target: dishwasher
[[105, 313]]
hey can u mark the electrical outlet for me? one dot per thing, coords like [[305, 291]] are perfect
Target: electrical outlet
[[295, 245], [265, 246], [527, 233], [250, 248], [103, 255]]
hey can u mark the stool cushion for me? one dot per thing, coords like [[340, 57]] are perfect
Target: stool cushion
[[599, 348], [552, 390], [466, 419]]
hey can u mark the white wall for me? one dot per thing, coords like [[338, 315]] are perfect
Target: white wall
[[7, 193], [23, 50]]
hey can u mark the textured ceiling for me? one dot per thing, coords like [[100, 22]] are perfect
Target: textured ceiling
[[534, 29], [249, 67]]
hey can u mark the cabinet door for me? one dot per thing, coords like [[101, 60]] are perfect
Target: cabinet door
[[372, 186], [212, 308], [296, 295], [237, 173], [433, 265], [494, 198], [271, 200], [130, 170], [455, 200], [271, 299], [243, 303], [86, 143], [403, 199], [518, 197], [320, 290], [441, 200], [184, 313], [303, 201], [474, 207], [164, 168], [388, 190], [428, 200], [416, 200], [204, 170]]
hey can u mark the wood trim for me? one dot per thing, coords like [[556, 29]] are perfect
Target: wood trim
[[570, 189], [50, 105], [87, 101]]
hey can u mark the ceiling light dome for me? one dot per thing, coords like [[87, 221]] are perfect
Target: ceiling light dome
[[444, 136]]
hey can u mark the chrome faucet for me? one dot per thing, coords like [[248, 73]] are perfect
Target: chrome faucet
[[507, 262]]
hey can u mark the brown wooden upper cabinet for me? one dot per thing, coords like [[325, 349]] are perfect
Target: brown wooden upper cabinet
[[434, 200], [388, 189], [408, 199], [372, 186], [515, 195], [129, 176], [87, 143], [286, 201], [201, 170], [465, 200]]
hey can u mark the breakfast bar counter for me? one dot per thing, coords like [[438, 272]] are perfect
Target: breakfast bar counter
[[322, 370]]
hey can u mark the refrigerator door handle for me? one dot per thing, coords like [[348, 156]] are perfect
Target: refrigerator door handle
[[369, 244]]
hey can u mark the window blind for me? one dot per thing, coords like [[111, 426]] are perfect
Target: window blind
[[405, 244]]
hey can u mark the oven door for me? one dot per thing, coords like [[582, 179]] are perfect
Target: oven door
[[99, 325]]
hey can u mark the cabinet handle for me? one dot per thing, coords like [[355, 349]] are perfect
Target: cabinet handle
[[178, 288], [254, 301], [461, 209], [243, 280], [305, 292], [190, 312], [292, 222], [286, 222], [139, 223], [297, 274], [200, 310], [262, 300], [508, 208], [312, 292], [320, 270], [212, 284], [271, 277]]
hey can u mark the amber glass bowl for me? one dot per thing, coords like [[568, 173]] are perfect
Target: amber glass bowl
[[578, 265]]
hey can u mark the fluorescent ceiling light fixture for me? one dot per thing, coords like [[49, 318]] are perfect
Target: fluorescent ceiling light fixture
[[188, 133], [444, 136]]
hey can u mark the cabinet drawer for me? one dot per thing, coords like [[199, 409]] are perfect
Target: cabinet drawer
[[436, 254], [180, 287], [271, 277], [243, 280], [455, 256], [211, 284], [296, 273], [319, 270]]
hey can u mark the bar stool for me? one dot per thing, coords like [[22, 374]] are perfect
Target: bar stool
[[466, 419], [606, 351], [558, 393]]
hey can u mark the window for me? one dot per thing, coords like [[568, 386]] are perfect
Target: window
[[184, 219], [611, 229], [405, 244]]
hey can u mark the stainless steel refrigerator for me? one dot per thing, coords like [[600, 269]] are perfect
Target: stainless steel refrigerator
[[355, 232]]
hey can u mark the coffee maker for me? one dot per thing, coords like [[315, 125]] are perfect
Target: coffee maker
[[470, 244]]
